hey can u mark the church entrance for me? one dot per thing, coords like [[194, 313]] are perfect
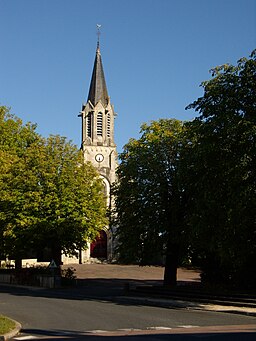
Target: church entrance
[[98, 248]]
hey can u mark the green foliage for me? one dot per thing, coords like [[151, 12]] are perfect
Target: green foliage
[[68, 276], [68, 273], [219, 172], [49, 197], [191, 188], [147, 195]]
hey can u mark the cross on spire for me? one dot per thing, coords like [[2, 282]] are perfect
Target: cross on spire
[[98, 34]]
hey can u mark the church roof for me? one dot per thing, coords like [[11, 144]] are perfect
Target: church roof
[[98, 89]]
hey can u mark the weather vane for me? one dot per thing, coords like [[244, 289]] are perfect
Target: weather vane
[[98, 33]]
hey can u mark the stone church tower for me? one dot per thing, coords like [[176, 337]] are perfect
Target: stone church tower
[[98, 146]]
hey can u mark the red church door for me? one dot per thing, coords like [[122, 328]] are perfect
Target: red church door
[[98, 248]]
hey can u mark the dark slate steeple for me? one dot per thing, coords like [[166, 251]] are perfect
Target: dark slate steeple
[[98, 89]]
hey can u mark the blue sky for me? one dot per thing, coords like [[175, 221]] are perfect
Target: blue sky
[[155, 55]]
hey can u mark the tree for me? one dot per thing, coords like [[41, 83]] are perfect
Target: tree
[[219, 170], [148, 201], [49, 196], [15, 139], [73, 209]]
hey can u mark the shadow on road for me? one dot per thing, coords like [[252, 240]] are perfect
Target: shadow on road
[[113, 291], [100, 289]]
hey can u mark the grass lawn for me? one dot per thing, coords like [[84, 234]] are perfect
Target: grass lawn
[[6, 325]]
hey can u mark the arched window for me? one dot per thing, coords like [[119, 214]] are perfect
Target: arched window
[[108, 124], [89, 125], [99, 124]]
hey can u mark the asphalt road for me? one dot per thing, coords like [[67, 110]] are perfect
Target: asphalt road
[[93, 312]]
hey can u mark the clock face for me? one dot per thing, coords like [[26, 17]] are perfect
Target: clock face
[[99, 157]]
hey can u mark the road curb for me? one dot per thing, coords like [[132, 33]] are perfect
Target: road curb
[[12, 333], [182, 304]]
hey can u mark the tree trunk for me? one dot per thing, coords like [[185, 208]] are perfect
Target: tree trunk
[[171, 264], [18, 263], [80, 256]]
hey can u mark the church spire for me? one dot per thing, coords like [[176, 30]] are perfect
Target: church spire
[[98, 89], [98, 113]]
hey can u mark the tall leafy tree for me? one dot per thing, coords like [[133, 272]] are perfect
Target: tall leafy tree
[[15, 139], [72, 201], [49, 196], [219, 171], [148, 200]]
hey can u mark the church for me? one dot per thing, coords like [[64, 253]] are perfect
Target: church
[[98, 146]]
